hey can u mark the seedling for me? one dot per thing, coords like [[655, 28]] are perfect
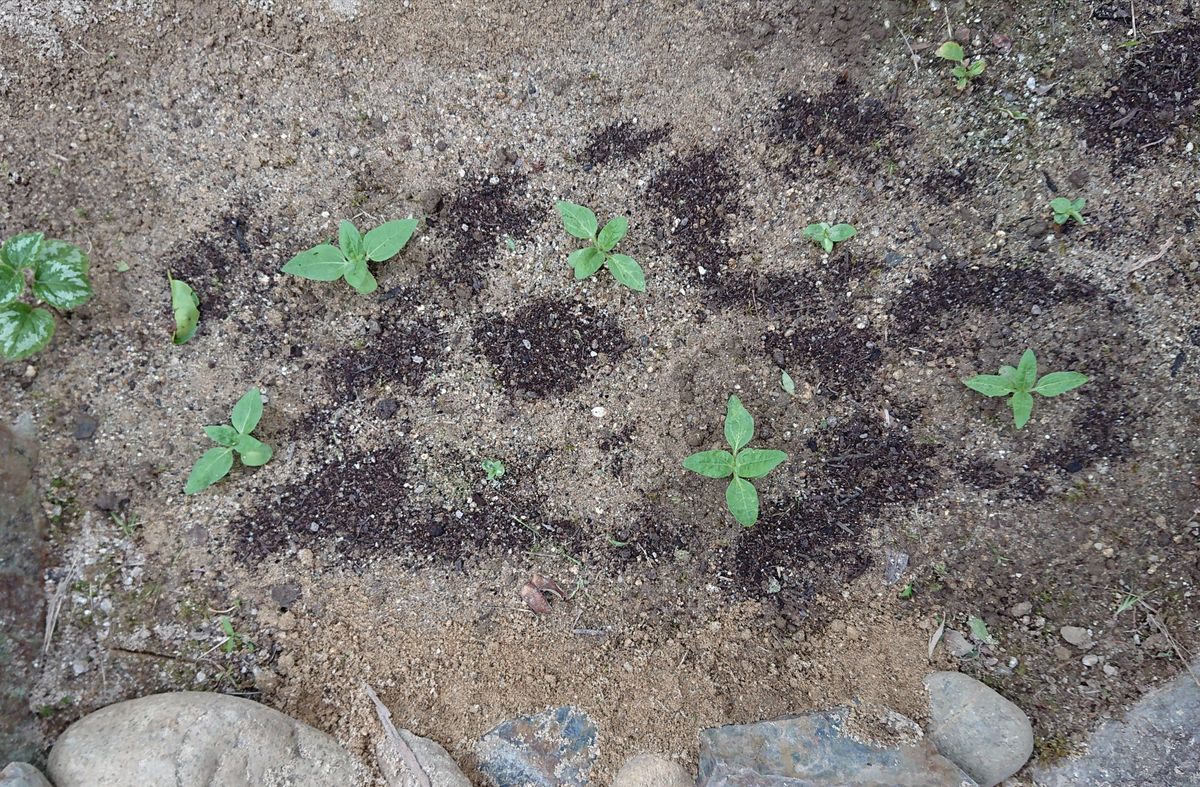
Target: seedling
[[789, 385], [740, 462], [1019, 383], [217, 462], [58, 276], [349, 258], [965, 70], [828, 234], [233, 640], [186, 306], [979, 630], [580, 222], [1065, 210], [493, 468]]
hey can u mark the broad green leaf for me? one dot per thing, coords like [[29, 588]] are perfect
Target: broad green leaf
[[1026, 371], [1060, 205], [211, 468], [247, 412], [1078, 204], [739, 425], [20, 251], [1022, 407], [951, 50], [1009, 373], [787, 382], [757, 462], [186, 306], [222, 435], [577, 220], [586, 261], [816, 231], [626, 270], [12, 283], [252, 451], [24, 330], [979, 630], [990, 384], [1056, 383], [320, 263], [977, 67], [350, 239], [386, 240], [960, 73], [612, 233], [60, 275], [360, 278], [841, 232], [710, 464], [742, 499]]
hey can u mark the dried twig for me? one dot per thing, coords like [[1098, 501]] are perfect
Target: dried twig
[[56, 604], [937, 636], [1158, 255], [402, 748]]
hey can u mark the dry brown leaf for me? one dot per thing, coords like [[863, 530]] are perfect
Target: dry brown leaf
[[534, 599]]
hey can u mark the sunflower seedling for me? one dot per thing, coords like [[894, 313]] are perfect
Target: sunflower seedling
[[580, 222], [964, 70], [1066, 209], [738, 464], [493, 469], [326, 262], [231, 438], [826, 234], [1021, 383], [58, 276]]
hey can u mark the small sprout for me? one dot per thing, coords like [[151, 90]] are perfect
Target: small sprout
[[1021, 383], [1065, 210], [326, 262], [58, 276], [1015, 114], [907, 591], [217, 462], [494, 469], [788, 384], [122, 266], [509, 243], [964, 70], [233, 640], [127, 522], [187, 310], [580, 222], [979, 631], [826, 234], [1128, 602], [742, 463]]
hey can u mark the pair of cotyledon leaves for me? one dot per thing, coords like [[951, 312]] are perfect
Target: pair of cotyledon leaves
[[59, 279]]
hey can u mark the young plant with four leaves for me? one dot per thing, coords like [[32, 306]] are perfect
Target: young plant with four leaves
[[57, 273], [580, 222], [231, 438], [738, 464], [826, 234], [1021, 383], [349, 258], [1066, 209], [965, 70]]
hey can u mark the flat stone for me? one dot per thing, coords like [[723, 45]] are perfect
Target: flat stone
[[1022, 609], [437, 763], [22, 774], [554, 748], [1157, 743], [957, 644], [819, 750], [986, 735], [85, 427], [650, 770], [1074, 635], [198, 738]]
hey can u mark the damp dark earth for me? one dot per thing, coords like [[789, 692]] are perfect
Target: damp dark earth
[[212, 142]]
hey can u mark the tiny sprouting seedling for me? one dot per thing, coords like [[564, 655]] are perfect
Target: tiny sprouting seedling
[[57, 273], [217, 462], [964, 70], [738, 464], [1021, 383], [1066, 209], [789, 385], [127, 522], [907, 591], [827, 234], [493, 468], [234, 641], [326, 262], [580, 222], [186, 305]]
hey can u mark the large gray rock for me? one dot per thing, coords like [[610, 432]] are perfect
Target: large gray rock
[[554, 748], [22, 774], [819, 750], [650, 770], [437, 763], [989, 737], [196, 738], [1156, 745]]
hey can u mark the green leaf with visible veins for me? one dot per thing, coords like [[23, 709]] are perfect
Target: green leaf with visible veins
[[990, 384], [739, 425], [1026, 371], [320, 263], [252, 451], [211, 468], [20, 251], [757, 462], [612, 233], [586, 261], [248, 411], [350, 240], [1056, 383], [12, 283], [711, 464], [386, 240], [359, 276], [222, 435], [840, 232], [1022, 407], [24, 330], [626, 270], [60, 275], [742, 499], [577, 220]]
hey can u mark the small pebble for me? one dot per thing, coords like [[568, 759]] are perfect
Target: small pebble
[[599, 412]]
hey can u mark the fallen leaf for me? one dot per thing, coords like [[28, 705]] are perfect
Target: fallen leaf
[[542, 582], [534, 599]]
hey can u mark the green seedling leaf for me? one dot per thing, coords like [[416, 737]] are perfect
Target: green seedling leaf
[[12, 283], [320, 263], [359, 276], [626, 270], [979, 630], [212, 467], [60, 275], [711, 464], [386, 240], [990, 384], [739, 425], [816, 231], [976, 67], [1057, 383], [248, 411], [827, 243], [757, 462], [1022, 407], [225, 436], [122, 266], [840, 232], [20, 251], [186, 306], [742, 499], [493, 468], [586, 261], [350, 240], [1026, 371], [789, 385], [216, 463], [578, 221], [612, 233], [951, 50], [252, 451], [24, 330]]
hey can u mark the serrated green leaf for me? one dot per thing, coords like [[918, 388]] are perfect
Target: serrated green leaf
[[739, 425], [990, 384], [757, 462], [12, 283], [359, 276], [979, 630], [626, 270], [350, 240], [612, 233], [789, 385], [211, 468], [386, 240], [710, 464], [951, 50], [586, 261], [1026, 371], [252, 451], [20, 251], [1022, 407], [742, 499], [186, 305], [840, 232], [1056, 383], [222, 435], [578, 221], [24, 330], [60, 275], [320, 263], [247, 412]]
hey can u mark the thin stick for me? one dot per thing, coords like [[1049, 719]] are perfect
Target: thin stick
[[1152, 616], [1133, 16], [60, 597], [915, 60], [1144, 261], [403, 749]]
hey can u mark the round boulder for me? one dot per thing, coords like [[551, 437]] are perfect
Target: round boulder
[[984, 734], [650, 770]]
